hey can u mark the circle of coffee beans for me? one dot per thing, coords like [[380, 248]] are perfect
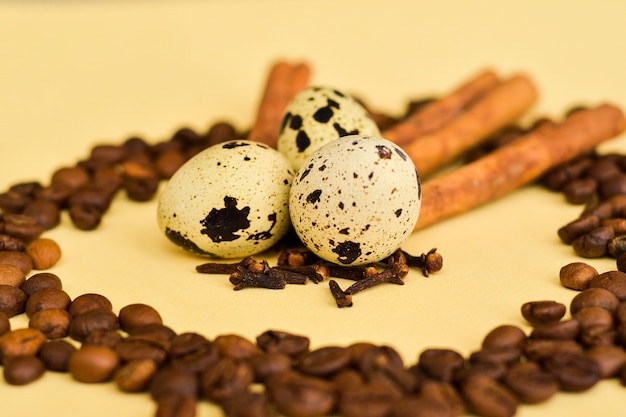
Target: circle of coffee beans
[[138, 352]]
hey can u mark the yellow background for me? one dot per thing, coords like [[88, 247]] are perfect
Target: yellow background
[[74, 74]]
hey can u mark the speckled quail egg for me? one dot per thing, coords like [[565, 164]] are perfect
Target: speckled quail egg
[[318, 115], [229, 201], [355, 200]]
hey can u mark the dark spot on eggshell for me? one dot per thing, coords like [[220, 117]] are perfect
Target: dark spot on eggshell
[[265, 234], [341, 205], [345, 231], [323, 114], [246, 158], [383, 152], [322, 167], [347, 252], [284, 122], [302, 141], [370, 176], [234, 144], [343, 132], [221, 224], [314, 196], [306, 172], [398, 212], [178, 239], [402, 154], [296, 122]]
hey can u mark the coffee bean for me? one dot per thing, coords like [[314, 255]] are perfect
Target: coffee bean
[[220, 132], [168, 162], [378, 358], [558, 177], [580, 191], [155, 334], [543, 312], [440, 364], [44, 252], [610, 359], [84, 216], [368, 400], [542, 349], [617, 245], [297, 395], [530, 383], [88, 302], [5, 323], [594, 297], [86, 323], [134, 316], [598, 336], [505, 355], [45, 212], [505, 336], [18, 259], [41, 281], [249, 404], [284, 342], [443, 393], [615, 185], [324, 361], [56, 354], [621, 263], [575, 373], [10, 243], [235, 346], [107, 153], [419, 406], [13, 202], [22, 370], [23, 227], [93, 364], [135, 375], [53, 322], [577, 275], [12, 300], [45, 299], [71, 177], [490, 369], [20, 342], [226, 379], [589, 317], [129, 350], [487, 397], [57, 194], [267, 364], [176, 406], [11, 275], [170, 381], [593, 244], [140, 181], [192, 352], [614, 281], [562, 330], [186, 343]]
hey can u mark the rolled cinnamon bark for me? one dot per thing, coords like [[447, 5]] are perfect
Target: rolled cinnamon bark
[[284, 81], [499, 107], [517, 164], [437, 114]]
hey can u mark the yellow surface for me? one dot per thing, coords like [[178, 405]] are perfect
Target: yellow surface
[[73, 74]]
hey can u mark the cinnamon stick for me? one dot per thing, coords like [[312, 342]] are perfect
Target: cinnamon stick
[[438, 113], [496, 109], [517, 164], [284, 81]]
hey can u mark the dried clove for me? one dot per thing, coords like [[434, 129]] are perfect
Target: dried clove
[[245, 278], [342, 298], [428, 262], [227, 268], [395, 272], [316, 272]]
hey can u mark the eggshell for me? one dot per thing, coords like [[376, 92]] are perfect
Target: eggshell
[[228, 201], [355, 200], [318, 115]]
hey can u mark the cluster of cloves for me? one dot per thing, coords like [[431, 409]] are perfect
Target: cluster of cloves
[[297, 266]]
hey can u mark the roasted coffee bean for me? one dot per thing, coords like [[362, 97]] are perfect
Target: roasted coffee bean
[[487, 397], [10, 243], [227, 379], [420, 406], [176, 406], [13, 202], [444, 393], [603, 169], [267, 364], [41, 281], [440, 364], [620, 312], [503, 355], [44, 252], [186, 343], [71, 177], [154, 333], [57, 194], [20, 342], [140, 181], [53, 322], [610, 359], [562, 330], [542, 349], [235, 346], [220, 132], [12, 300], [590, 317], [23, 227], [297, 395], [5, 324], [91, 196], [593, 244], [617, 245], [88, 302], [22, 370], [170, 381], [598, 336], [111, 154], [196, 360], [594, 297], [18, 259], [543, 312], [380, 358], [505, 336], [324, 361], [367, 400], [556, 178], [11, 275], [614, 281], [618, 224], [103, 337], [615, 185], [284, 342], [135, 375], [249, 404], [45, 299], [108, 180], [85, 217], [45, 212], [530, 383], [621, 263], [601, 209], [134, 316], [168, 162], [577, 275], [493, 370], [129, 350], [575, 373], [56, 354], [83, 324], [581, 190], [93, 364]]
